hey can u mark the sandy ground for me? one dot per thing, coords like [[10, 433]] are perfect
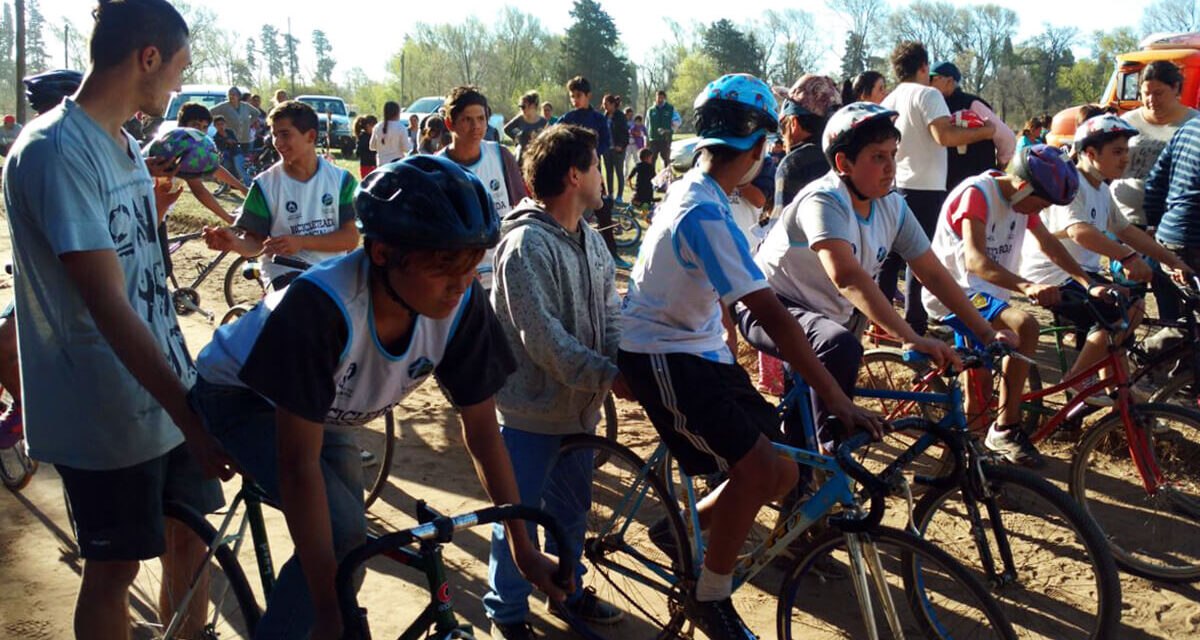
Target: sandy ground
[[40, 565]]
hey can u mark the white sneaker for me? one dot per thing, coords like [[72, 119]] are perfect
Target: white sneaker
[[368, 458]]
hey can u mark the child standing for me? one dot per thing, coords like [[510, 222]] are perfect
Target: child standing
[[642, 178], [367, 158]]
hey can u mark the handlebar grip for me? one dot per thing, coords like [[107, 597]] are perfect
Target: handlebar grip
[[291, 263], [914, 356], [876, 488]]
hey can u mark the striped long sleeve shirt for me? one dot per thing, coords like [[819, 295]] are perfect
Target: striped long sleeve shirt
[[1173, 188]]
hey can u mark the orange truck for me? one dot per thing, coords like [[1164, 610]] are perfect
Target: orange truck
[[1124, 87]]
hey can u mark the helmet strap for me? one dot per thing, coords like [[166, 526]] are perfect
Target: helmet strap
[[382, 274], [850, 185]]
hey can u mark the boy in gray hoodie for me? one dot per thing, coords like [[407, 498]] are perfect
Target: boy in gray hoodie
[[554, 293]]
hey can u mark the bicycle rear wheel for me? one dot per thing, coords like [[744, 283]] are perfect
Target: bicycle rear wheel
[[224, 608], [1152, 534], [238, 288], [375, 478], [1179, 390], [934, 596], [1065, 583], [622, 564], [627, 231]]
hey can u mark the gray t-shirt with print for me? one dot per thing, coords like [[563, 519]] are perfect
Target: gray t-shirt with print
[[69, 187]]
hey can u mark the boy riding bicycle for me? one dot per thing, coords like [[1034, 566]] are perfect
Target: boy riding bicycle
[[824, 254], [693, 264], [285, 386], [978, 239]]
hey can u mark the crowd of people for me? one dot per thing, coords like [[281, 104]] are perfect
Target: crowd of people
[[450, 256]]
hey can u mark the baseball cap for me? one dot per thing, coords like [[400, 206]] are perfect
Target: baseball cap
[[9, 119], [947, 69]]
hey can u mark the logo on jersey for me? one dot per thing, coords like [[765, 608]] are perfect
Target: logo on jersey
[[853, 248], [326, 199], [1093, 213], [291, 206], [494, 184], [881, 254], [420, 368], [343, 385]]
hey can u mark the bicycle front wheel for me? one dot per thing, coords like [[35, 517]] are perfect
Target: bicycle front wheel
[[639, 575], [376, 476], [238, 288], [906, 588], [220, 603], [627, 231], [1063, 582], [1152, 533]]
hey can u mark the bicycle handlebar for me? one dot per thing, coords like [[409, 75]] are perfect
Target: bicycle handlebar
[[439, 529], [876, 489], [291, 263], [972, 358]]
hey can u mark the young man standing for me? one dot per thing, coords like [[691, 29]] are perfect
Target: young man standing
[[467, 119], [303, 206], [583, 115], [555, 295], [239, 117], [694, 264], [95, 317], [661, 121], [925, 130]]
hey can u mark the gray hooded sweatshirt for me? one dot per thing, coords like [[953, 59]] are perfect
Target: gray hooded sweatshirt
[[557, 302]]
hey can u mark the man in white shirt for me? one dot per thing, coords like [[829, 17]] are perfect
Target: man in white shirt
[[926, 129]]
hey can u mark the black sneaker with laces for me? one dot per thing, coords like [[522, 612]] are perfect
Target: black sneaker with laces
[[717, 619], [1013, 444], [512, 631], [588, 607]]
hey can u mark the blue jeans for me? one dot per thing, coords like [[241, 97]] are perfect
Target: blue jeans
[[239, 162], [245, 425], [564, 490]]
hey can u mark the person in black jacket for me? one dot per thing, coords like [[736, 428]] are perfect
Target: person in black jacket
[[614, 160], [973, 159]]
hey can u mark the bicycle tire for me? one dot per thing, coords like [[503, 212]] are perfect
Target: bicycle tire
[[627, 231], [609, 420], [1155, 537], [235, 312], [239, 289], [235, 617], [617, 550], [886, 369], [379, 479], [1177, 390], [1045, 530], [918, 562]]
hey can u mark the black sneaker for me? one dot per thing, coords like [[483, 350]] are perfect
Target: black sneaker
[[717, 619], [1014, 446], [587, 607], [512, 631]]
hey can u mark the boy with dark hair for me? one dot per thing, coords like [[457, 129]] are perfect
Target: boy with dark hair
[[494, 165], [555, 295], [82, 206], [642, 179], [196, 116], [583, 115], [302, 206], [693, 264]]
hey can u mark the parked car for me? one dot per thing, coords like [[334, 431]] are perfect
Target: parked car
[[209, 95], [422, 108], [333, 115]]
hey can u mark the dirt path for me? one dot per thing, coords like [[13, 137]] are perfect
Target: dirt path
[[40, 567]]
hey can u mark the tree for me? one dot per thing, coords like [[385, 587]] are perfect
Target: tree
[[730, 49], [291, 48], [659, 68], [8, 69], [465, 45], [1171, 16], [38, 56], [1046, 55], [986, 32], [937, 25], [73, 45], [790, 42], [251, 55], [696, 70], [518, 49], [1087, 78], [592, 48], [856, 58], [269, 37], [325, 62], [20, 62], [864, 18]]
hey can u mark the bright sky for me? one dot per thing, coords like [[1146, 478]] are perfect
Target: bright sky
[[366, 34]]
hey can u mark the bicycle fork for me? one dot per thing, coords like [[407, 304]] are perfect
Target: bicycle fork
[[864, 558]]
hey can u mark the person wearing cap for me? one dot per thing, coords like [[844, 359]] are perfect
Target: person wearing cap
[[925, 129], [8, 133], [675, 353], [239, 117], [973, 159], [822, 257], [802, 118]]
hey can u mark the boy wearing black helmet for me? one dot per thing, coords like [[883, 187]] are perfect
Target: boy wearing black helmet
[[284, 386], [693, 264]]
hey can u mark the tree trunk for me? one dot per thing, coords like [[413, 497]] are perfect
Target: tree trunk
[[19, 86]]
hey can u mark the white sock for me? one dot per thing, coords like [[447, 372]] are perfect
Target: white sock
[[713, 586]]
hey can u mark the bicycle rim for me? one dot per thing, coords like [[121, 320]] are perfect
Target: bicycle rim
[[935, 597], [223, 608], [626, 229], [238, 288], [1064, 583], [1154, 535], [885, 369], [621, 563], [375, 477]]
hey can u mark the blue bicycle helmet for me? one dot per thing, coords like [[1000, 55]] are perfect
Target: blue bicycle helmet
[[426, 203], [736, 110], [1047, 172], [45, 90]]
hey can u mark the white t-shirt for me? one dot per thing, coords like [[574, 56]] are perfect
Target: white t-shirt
[[489, 168], [823, 211], [1144, 149], [1092, 205], [977, 198], [692, 261], [920, 161], [393, 145]]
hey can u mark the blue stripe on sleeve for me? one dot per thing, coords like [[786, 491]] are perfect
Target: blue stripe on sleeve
[[714, 239]]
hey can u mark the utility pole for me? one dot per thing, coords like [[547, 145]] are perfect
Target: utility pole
[[18, 85], [66, 45], [291, 46], [403, 99]]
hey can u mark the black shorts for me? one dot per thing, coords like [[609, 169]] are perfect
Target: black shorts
[[1076, 312], [707, 413], [118, 513]]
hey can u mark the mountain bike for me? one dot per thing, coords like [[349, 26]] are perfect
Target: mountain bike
[[238, 287]]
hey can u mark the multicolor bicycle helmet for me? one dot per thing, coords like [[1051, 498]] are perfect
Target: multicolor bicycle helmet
[[1047, 173], [197, 153], [45, 90], [845, 124], [427, 203], [736, 110], [1102, 129]]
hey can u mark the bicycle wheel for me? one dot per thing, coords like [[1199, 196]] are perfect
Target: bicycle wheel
[[1178, 390], [608, 421], [16, 467], [375, 477], [886, 370], [934, 596], [627, 231], [620, 561], [238, 288], [1152, 534], [225, 608], [1064, 582]]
